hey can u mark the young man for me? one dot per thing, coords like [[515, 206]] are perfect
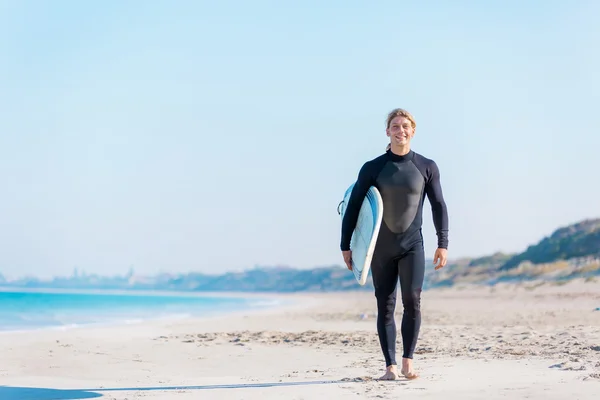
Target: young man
[[403, 177]]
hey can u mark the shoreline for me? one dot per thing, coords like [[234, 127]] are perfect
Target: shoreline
[[256, 304], [290, 301], [280, 302]]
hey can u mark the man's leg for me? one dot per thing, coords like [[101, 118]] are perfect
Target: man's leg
[[411, 270], [385, 278]]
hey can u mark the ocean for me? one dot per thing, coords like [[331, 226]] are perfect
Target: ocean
[[28, 310]]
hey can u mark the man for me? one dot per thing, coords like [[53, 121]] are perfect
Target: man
[[403, 178]]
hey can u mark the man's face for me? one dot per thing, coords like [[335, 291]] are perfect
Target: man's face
[[400, 131]]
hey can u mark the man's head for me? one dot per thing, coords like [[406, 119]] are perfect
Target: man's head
[[400, 127]]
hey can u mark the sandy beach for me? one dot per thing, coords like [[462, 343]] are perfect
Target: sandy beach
[[510, 342]]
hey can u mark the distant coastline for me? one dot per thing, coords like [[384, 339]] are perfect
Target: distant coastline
[[570, 252], [137, 292]]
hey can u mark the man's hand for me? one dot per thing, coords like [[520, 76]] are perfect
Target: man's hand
[[439, 258], [348, 258]]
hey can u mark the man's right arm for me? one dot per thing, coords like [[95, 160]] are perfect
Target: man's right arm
[[359, 191]]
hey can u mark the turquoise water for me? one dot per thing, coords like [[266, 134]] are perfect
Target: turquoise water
[[27, 310]]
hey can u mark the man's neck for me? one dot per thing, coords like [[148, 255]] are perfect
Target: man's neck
[[400, 150]]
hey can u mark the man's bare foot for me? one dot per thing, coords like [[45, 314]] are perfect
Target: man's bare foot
[[391, 373], [407, 369]]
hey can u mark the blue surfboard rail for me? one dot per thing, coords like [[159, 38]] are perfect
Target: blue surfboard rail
[[364, 236]]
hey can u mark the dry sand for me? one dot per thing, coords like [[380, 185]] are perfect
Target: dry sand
[[511, 342]]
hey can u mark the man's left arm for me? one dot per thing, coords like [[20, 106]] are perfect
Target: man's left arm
[[433, 189]]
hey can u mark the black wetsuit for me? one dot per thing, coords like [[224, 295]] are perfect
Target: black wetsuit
[[403, 182]]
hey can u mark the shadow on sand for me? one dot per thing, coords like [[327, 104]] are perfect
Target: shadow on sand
[[31, 393]]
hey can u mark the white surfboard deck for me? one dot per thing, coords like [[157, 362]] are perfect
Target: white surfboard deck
[[366, 231]]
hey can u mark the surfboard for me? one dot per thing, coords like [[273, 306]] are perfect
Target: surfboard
[[366, 231]]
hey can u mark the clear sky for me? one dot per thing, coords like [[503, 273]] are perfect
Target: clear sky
[[169, 135]]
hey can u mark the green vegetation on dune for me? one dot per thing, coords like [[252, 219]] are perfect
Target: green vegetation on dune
[[569, 252], [578, 240]]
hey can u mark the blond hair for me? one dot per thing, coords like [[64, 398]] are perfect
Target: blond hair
[[400, 112]]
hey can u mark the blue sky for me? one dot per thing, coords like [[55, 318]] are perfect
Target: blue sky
[[168, 135]]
